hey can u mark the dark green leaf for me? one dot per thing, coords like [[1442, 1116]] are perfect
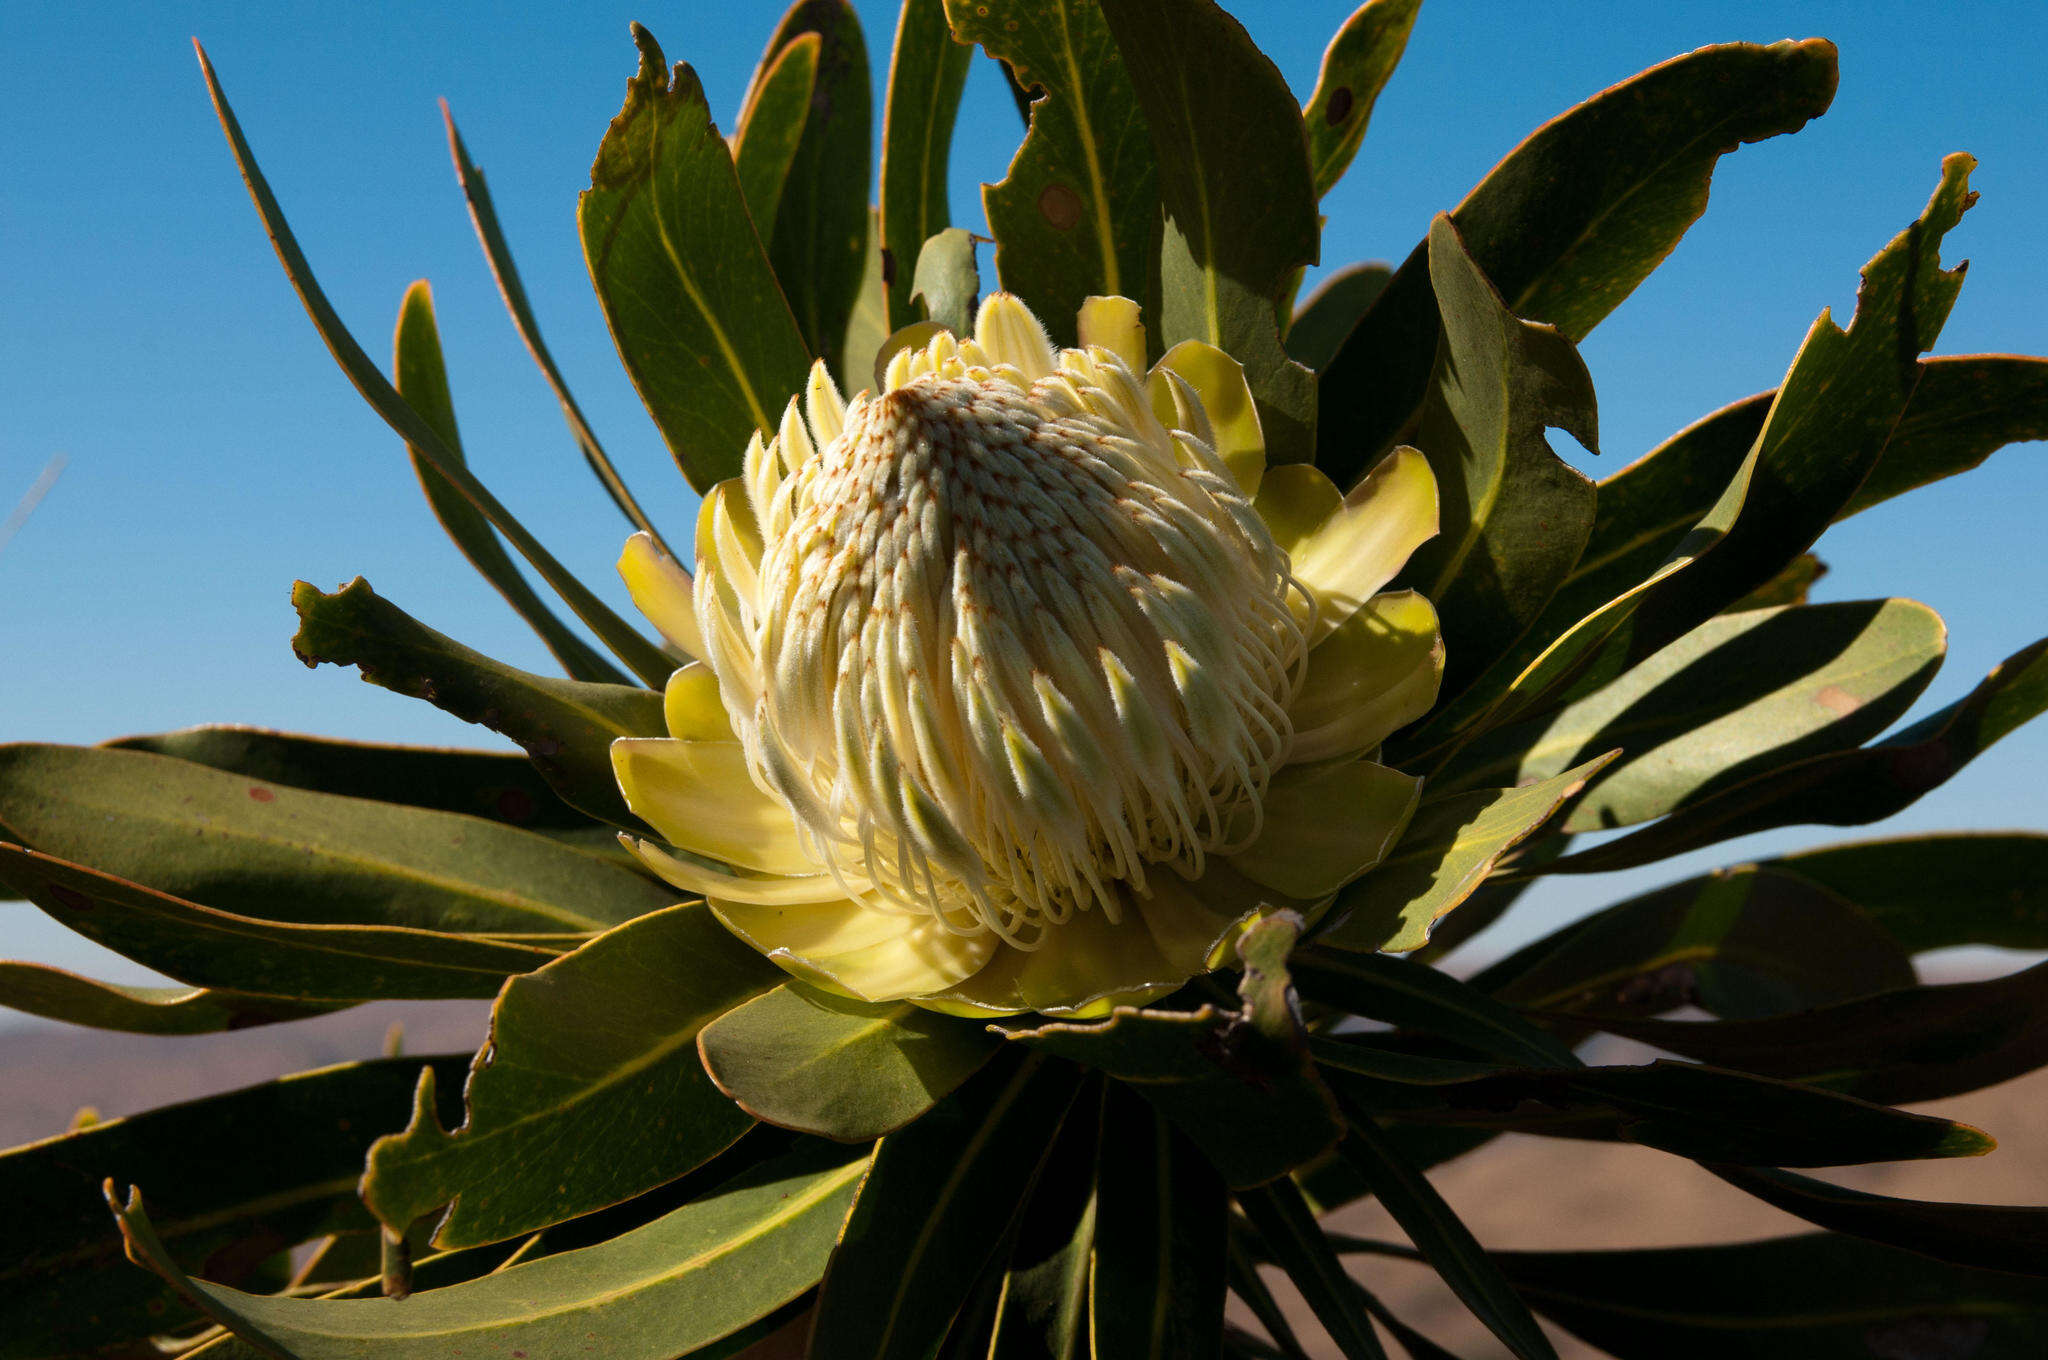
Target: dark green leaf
[[688, 1279], [821, 227], [1447, 1243], [930, 1213], [1077, 215], [1932, 891], [1297, 1245], [567, 727], [1845, 788], [947, 282], [207, 948], [1514, 515], [232, 1193], [852, 1070], [1573, 219], [1355, 69], [1222, 119], [927, 71], [1444, 855], [1246, 1284], [1159, 1238], [694, 306], [765, 142], [57, 995], [1793, 585], [1331, 311], [421, 376], [1966, 408], [1041, 1312], [484, 218], [289, 854], [1237, 1083], [588, 1091], [1416, 996], [1989, 1236], [497, 786], [642, 657]]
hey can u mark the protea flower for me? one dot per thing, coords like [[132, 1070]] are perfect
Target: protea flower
[[1023, 683]]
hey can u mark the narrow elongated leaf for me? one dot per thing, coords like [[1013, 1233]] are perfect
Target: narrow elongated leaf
[[2009, 1238], [947, 283], [1041, 1312], [688, 1279], [1573, 219], [1246, 1284], [927, 71], [1156, 1285], [484, 217], [1443, 857], [1297, 1245], [694, 307], [421, 376], [765, 142], [1845, 788], [1514, 515], [1740, 942], [1448, 1244], [55, 994], [498, 786], [851, 1070], [1966, 407], [868, 325], [589, 1090], [641, 657], [290, 854], [1238, 1083], [1415, 996], [1355, 68], [1221, 119], [233, 1192], [1077, 213], [928, 1217], [1740, 694], [1330, 312], [1932, 891], [566, 727]]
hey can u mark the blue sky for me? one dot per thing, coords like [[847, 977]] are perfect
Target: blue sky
[[216, 455]]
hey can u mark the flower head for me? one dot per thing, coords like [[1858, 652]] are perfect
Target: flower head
[[1023, 683]]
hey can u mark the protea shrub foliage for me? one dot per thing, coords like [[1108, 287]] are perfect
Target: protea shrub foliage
[[992, 903]]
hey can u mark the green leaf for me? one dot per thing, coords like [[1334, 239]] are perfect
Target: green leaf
[[693, 305], [1077, 214], [567, 727], [57, 995], [1738, 942], [1998, 1237], [1793, 585], [1159, 1238], [1966, 408], [853, 1070], [927, 71], [868, 326], [1448, 1244], [686, 1280], [1514, 515], [1246, 1284], [1330, 312], [765, 142], [1818, 1296], [1932, 891], [1909, 1044], [484, 217], [232, 1192], [1446, 853], [1572, 220], [495, 785], [947, 282], [1416, 996], [1845, 788], [1298, 1246], [940, 1196], [1741, 694], [281, 853], [421, 376], [1222, 120], [1042, 1308], [587, 1092], [642, 657], [207, 948], [1355, 69], [1237, 1083]]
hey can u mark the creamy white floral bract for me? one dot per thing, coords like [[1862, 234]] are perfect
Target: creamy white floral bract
[[1024, 683]]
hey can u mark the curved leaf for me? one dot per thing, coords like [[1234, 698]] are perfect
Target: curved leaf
[[1298, 1246], [1932, 891], [1329, 313], [1416, 996], [1355, 69], [765, 142], [927, 71], [55, 994], [946, 282], [1160, 1219]]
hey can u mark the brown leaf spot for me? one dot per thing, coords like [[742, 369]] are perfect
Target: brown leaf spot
[[1339, 107], [1837, 700], [1060, 206], [69, 897], [261, 794]]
